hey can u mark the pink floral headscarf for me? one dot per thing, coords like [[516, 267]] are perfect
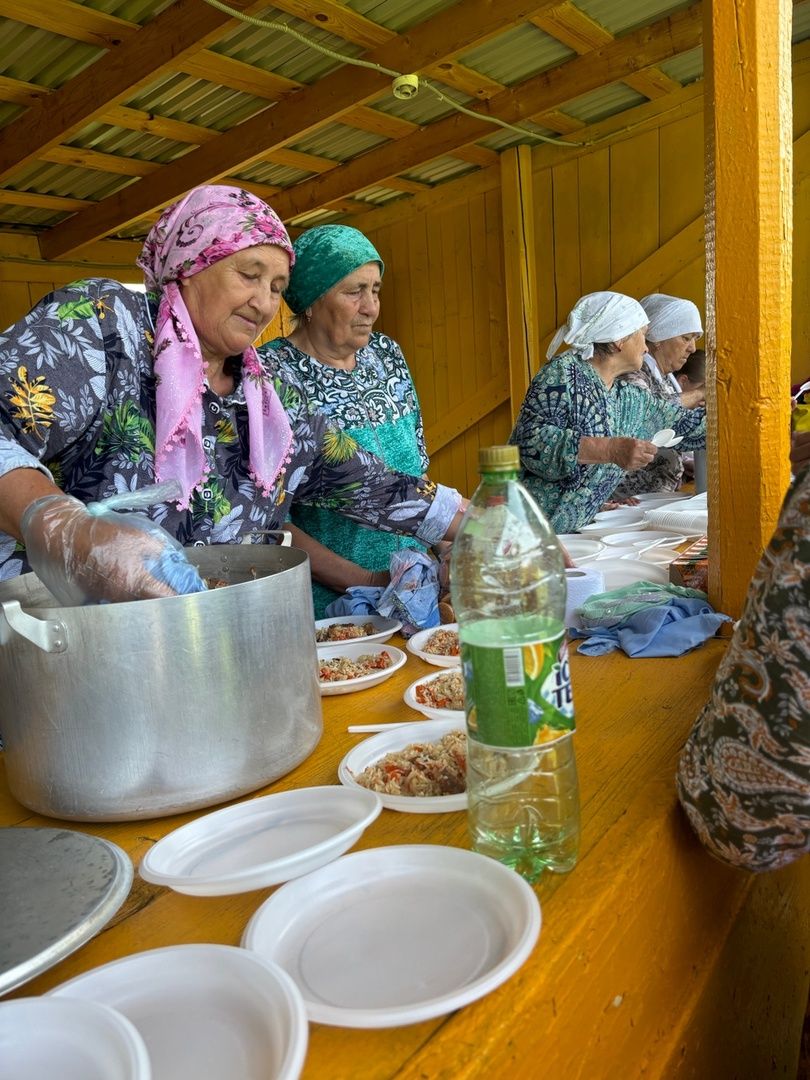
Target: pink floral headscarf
[[207, 225]]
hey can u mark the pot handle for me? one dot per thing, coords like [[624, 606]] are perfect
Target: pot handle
[[49, 636]]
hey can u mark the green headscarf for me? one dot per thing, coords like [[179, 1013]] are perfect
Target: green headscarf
[[324, 256]]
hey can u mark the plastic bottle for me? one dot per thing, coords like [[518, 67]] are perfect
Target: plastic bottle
[[507, 581]]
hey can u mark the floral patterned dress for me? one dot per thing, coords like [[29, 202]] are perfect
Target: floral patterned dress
[[376, 405], [77, 399], [567, 400], [744, 775], [666, 471]]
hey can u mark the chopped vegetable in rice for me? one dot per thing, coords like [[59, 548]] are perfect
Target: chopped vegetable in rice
[[421, 769], [344, 631], [443, 643], [339, 668], [444, 692]]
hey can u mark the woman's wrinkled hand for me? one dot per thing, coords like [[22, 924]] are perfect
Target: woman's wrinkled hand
[[632, 454]]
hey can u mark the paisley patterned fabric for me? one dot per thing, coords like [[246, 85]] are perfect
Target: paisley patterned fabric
[[376, 405], [77, 396], [666, 471], [568, 399], [744, 774]]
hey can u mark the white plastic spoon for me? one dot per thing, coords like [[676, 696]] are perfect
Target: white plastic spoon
[[663, 437]]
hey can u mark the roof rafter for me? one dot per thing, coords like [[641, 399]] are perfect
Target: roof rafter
[[666, 38], [438, 38]]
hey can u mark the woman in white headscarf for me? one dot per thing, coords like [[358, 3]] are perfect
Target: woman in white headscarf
[[581, 427], [674, 327]]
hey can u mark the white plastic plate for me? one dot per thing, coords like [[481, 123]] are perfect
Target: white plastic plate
[[352, 651], [396, 935], [388, 742], [619, 572], [210, 1011], [42, 1038], [409, 697], [580, 548], [417, 643], [641, 538], [384, 628], [261, 842]]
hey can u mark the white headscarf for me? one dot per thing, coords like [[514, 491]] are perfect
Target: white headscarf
[[598, 317], [670, 316]]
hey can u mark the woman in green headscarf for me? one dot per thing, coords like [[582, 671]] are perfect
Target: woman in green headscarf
[[360, 381]]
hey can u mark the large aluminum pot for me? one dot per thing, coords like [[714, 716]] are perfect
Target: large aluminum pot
[[138, 710]]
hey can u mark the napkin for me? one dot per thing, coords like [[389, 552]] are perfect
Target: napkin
[[412, 596], [669, 629]]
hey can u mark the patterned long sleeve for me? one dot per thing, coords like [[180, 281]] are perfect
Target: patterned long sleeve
[[744, 774]]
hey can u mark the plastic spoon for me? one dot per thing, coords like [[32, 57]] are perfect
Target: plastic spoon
[[663, 437]]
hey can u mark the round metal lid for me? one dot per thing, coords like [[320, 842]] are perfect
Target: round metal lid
[[57, 889]]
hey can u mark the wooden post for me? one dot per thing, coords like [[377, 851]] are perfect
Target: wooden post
[[748, 282], [520, 278]]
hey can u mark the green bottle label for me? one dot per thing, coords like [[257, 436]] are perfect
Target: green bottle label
[[518, 695]]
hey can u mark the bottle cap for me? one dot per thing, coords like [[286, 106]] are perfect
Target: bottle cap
[[498, 459]]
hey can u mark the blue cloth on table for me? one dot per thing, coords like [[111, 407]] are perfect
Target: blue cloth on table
[[669, 629], [412, 596]]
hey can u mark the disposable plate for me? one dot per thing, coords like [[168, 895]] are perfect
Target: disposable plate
[[210, 1011], [42, 1038], [383, 628], [580, 548], [396, 935], [418, 642], [388, 742], [457, 715], [261, 842], [354, 650], [641, 538], [619, 572]]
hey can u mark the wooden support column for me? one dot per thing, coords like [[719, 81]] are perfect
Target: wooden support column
[[748, 282], [520, 278]]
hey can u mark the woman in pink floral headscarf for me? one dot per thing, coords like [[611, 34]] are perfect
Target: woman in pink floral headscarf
[[104, 390]]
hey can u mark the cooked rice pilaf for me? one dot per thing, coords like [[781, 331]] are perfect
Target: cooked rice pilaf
[[446, 691], [423, 769], [443, 643], [343, 631], [338, 668]]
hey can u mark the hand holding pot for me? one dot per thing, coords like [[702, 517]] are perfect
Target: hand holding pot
[[85, 558]]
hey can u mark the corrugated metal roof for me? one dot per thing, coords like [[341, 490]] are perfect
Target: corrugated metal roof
[[67, 180], [604, 102], [179, 97], [395, 15], [264, 172], [621, 16], [801, 22], [128, 144], [440, 170], [338, 142], [685, 68], [139, 11], [504, 138], [516, 55], [36, 56]]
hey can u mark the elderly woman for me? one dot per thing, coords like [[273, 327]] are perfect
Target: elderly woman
[[104, 390], [674, 327], [581, 427], [359, 380]]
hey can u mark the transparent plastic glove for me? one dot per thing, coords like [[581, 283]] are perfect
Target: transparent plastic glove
[[86, 558]]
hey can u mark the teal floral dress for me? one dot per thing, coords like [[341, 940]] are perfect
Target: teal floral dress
[[77, 400], [567, 400], [744, 775], [376, 405]]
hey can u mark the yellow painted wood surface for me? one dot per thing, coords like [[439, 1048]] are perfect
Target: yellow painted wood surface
[[653, 960], [748, 286], [520, 273]]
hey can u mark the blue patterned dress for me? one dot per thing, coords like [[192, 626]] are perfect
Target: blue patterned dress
[[77, 399], [376, 404], [567, 400]]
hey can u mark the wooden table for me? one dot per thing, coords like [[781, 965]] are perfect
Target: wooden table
[[653, 960]]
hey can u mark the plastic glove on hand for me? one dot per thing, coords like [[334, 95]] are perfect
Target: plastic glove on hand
[[84, 558]]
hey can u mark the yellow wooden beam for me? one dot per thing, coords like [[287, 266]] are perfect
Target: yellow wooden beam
[[42, 202], [748, 294], [668, 37], [92, 159], [520, 272], [180, 29], [583, 34], [215, 68], [71, 20], [441, 37]]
